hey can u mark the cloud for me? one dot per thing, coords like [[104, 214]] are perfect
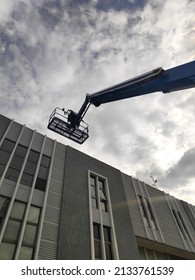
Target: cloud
[[106, 5], [54, 52], [183, 171], [6, 10]]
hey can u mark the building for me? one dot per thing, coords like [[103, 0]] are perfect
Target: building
[[59, 203]]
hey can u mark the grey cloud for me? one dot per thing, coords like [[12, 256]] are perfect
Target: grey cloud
[[184, 170], [120, 5], [179, 175]]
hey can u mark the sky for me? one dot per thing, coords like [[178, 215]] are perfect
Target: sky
[[53, 52]]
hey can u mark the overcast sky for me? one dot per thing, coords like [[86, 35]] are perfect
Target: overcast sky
[[53, 52]]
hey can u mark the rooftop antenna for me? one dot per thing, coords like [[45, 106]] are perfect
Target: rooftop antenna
[[154, 181]]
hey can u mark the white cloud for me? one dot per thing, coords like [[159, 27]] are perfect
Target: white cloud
[[6, 9]]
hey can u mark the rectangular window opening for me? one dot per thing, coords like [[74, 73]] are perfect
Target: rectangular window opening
[[108, 242], [13, 228], [97, 185], [97, 241], [181, 225], [147, 212], [43, 173]]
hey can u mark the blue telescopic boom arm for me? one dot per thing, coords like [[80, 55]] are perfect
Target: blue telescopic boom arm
[[174, 79], [158, 80]]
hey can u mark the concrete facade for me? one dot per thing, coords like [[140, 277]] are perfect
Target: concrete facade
[[63, 204]]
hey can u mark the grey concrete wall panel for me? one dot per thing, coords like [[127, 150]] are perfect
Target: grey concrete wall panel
[[47, 250], [74, 235], [54, 199], [56, 185], [50, 231], [190, 211], [26, 137], [134, 209], [74, 242], [4, 123], [38, 198], [188, 219], [23, 193], [37, 142], [58, 163], [57, 174], [7, 188], [60, 151], [49, 239], [165, 218], [96, 216], [106, 219], [48, 148], [52, 214], [14, 131]]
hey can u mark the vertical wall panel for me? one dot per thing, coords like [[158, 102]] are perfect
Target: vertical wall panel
[[4, 123], [132, 189], [14, 132], [50, 231], [26, 137]]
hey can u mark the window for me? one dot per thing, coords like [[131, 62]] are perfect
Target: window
[[184, 225], [103, 200], [143, 211], [102, 244], [5, 152], [151, 215], [12, 231], [7, 251], [94, 196], [43, 173], [26, 253], [13, 228], [4, 203], [16, 163], [181, 224], [147, 212], [30, 168], [33, 216], [97, 184], [17, 210], [107, 241], [97, 241], [29, 238]]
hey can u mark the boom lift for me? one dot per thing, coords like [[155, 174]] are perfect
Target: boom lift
[[71, 125]]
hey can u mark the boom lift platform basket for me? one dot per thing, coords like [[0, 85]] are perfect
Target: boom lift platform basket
[[59, 123]]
